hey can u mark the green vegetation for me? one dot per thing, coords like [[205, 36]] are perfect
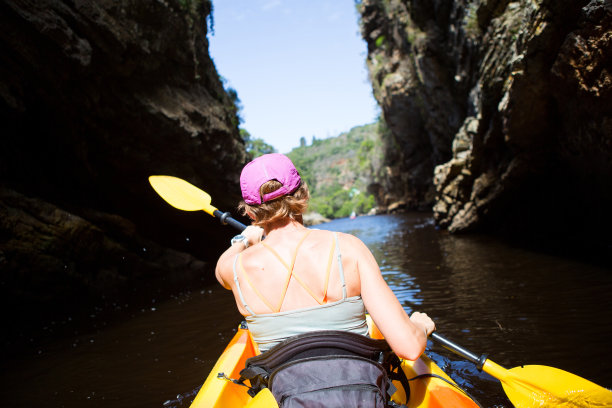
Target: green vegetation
[[470, 20], [194, 7], [338, 170], [235, 106], [255, 146]]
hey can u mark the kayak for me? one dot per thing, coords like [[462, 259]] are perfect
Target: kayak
[[219, 392]]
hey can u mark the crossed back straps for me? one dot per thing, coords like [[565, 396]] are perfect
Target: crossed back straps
[[290, 274]]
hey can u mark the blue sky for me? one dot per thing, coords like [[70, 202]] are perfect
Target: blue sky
[[298, 67]]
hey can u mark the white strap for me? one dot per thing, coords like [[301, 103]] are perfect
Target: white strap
[[340, 268], [238, 288]]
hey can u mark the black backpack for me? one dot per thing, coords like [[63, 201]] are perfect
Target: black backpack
[[327, 369]]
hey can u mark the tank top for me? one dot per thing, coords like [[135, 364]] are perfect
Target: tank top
[[269, 329]]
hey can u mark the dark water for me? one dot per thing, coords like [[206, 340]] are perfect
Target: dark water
[[519, 306]]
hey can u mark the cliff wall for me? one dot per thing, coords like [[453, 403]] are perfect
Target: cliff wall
[[95, 96], [500, 112]]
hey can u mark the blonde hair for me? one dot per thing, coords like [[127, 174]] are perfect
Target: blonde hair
[[287, 206]]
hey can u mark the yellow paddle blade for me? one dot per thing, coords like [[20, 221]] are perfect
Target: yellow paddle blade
[[181, 194], [541, 386]]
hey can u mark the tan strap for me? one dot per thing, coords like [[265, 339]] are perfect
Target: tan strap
[[289, 274]]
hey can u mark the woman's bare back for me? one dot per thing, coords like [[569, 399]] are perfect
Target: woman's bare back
[[268, 285]]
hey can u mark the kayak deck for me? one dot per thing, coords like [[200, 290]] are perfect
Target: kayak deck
[[221, 393]]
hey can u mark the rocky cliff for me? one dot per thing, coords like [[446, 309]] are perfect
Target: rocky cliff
[[500, 111], [95, 96]]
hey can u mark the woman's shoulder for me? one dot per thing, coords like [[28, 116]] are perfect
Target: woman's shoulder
[[345, 240], [319, 233]]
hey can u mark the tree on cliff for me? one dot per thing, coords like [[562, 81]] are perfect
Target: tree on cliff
[[255, 146]]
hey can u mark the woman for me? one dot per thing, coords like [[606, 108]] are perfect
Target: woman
[[299, 280]]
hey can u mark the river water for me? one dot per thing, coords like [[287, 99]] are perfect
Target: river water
[[518, 306]]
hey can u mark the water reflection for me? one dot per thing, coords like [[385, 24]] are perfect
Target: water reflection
[[150, 358], [518, 306]]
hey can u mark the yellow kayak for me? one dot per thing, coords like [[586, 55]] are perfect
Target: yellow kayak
[[220, 393]]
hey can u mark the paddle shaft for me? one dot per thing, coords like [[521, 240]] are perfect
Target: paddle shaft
[[457, 349], [226, 218]]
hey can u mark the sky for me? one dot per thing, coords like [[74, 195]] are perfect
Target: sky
[[298, 67]]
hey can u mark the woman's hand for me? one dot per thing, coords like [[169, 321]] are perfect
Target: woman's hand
[[423, 321], [253, 234], [224, 268]]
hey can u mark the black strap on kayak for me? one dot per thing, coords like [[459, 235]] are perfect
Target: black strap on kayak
[[398, 376], [396, 373], [258, 369], [339, 345], [223, 376], [431, 375]]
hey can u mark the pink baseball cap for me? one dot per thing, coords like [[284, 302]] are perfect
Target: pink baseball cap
[[273, 166]]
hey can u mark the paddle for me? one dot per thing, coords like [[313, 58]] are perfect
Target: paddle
[[526, 386], [536, 385], [187, 197]]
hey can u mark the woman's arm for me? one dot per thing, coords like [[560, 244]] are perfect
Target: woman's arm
[[225, 264], [407, 336]]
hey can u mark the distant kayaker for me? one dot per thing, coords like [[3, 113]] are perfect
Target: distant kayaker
[[299, 280]]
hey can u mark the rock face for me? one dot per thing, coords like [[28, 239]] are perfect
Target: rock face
[[95, 96], [506, 105]]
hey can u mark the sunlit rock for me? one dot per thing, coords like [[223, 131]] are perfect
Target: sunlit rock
[[501, 108]]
